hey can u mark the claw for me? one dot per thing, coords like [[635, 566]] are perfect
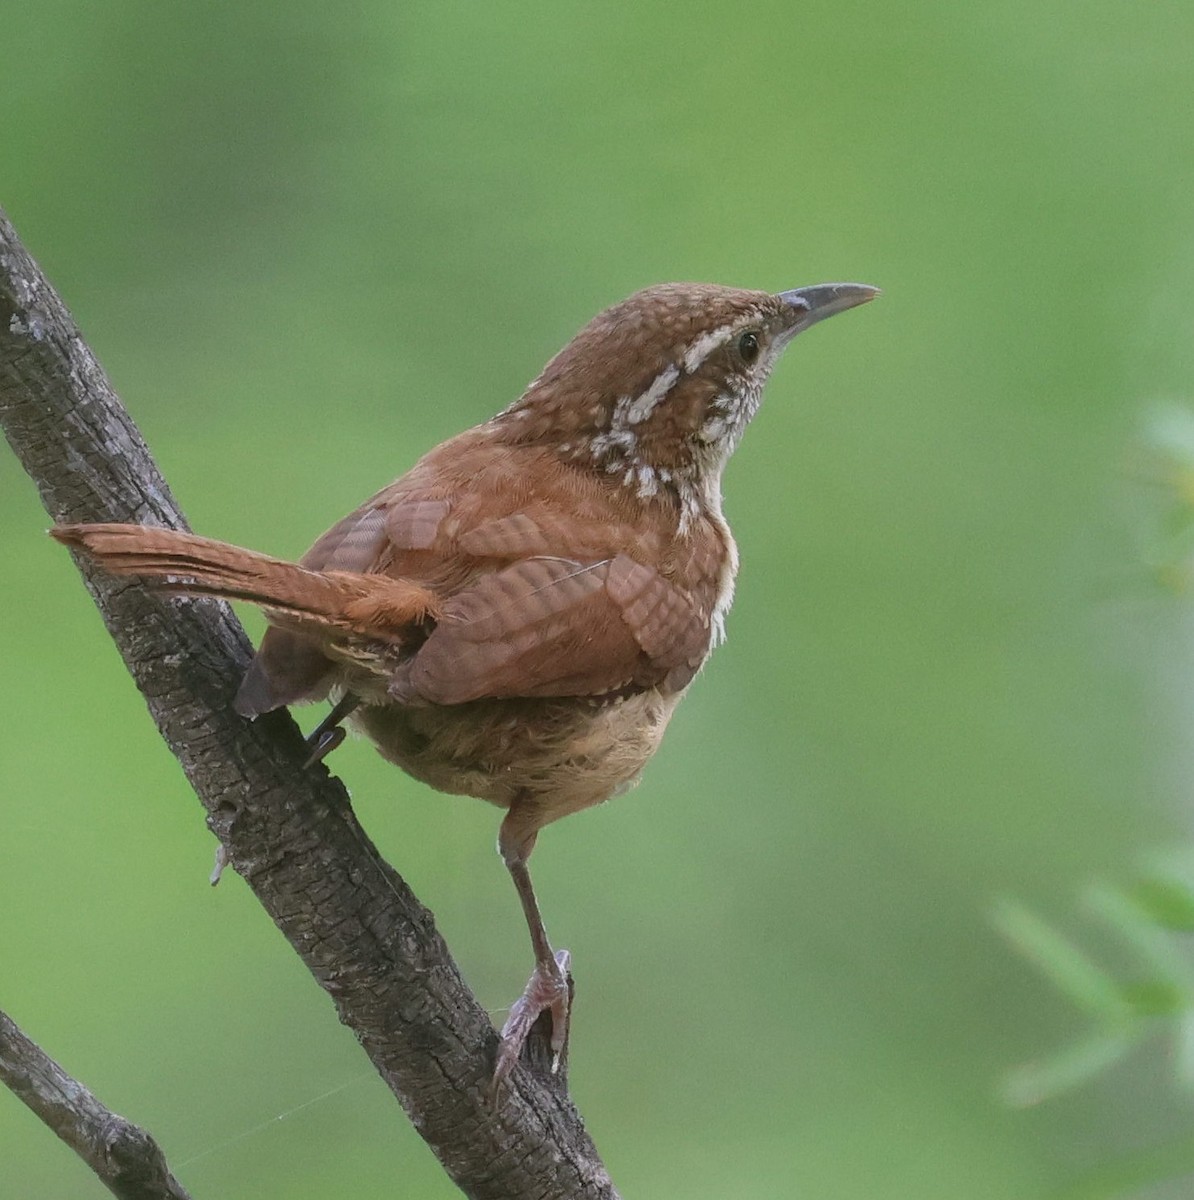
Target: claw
[[329, 733], [322, 743], [549, 990]]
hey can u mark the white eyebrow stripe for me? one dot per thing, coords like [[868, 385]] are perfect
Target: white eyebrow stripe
[[706, 344]]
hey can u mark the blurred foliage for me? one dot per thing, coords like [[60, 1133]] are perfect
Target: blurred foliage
[[308, 243], [1164, 463], [1152, 918], [1123, 1013]]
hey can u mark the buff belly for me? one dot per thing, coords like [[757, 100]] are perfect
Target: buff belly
[[561, 755]]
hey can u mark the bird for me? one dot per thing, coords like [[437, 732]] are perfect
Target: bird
[[517, 616]]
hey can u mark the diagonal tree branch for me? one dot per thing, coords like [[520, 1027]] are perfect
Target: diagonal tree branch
[[127, 1160], [288, 831]]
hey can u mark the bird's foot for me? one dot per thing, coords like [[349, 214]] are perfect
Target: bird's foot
[[329, 733], [322, 742], [548, 991]]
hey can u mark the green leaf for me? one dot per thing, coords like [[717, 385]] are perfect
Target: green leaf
[[1087, 984], [1034, 1082], [1164, 954], [1165, 903], [1155, 998]]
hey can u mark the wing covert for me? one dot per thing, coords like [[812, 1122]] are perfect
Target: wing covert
[[549, 626]]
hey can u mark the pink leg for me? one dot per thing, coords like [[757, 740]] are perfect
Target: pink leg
[[548, 988]]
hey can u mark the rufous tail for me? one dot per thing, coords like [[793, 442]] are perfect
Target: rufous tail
[[334, 602]]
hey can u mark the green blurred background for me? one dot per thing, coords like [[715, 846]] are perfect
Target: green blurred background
[[310, 241]]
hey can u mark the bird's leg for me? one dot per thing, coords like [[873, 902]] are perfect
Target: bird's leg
[[329, 733], [549, 988]]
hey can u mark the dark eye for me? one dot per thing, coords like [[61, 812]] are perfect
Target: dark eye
[[748, 347]]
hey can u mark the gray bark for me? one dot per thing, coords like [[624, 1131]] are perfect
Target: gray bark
[[127, 1160]]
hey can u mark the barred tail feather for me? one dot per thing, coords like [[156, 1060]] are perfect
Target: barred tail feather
[[367, 605]]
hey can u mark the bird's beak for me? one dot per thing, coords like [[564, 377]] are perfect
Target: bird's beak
[[812, 304]]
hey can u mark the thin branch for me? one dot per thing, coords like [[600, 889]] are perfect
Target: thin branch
[[129, 1163], [288, 831]]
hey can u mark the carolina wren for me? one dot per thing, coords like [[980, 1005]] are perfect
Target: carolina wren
[[517, 617]]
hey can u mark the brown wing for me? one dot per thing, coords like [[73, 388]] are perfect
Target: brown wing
[[534, 604], [290, 668], [673, 631], [352, 544], [550, 626]]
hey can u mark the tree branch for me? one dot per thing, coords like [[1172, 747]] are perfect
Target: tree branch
[[129, 1163], [290, 832]]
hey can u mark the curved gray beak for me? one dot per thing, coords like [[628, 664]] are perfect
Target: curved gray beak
[[813, 304]]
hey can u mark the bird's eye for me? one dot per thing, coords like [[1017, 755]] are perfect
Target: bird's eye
[[748, 347]]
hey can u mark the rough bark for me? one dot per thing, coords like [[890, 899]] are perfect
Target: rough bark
[[289, 831], [127, 1160]]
